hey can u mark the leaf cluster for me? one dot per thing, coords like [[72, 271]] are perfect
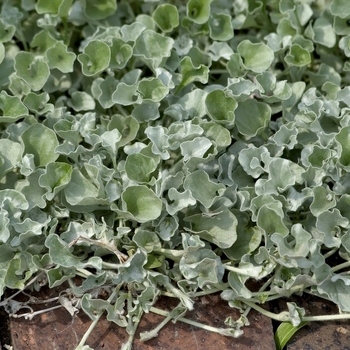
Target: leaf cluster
[[178, 148]]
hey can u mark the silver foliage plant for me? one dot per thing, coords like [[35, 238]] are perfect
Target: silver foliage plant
[[175, 148]]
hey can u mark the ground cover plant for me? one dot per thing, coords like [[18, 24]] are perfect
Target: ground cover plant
[[175, 148]]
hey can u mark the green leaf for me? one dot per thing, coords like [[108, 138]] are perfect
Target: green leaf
[[12, 108], [139, 167], [38, 103], [221, 107], [219, 228], [99, 10], [153, 48], [60, 254], [343, 138], [81, 101], [120, 54], [41, 142], [323, 32], [203, 265], [191, 73], [142, 203], [152, 89], [195, 148], [32, 69], [220, 27], [56, 177], [126, 95], [59, 57], [80, 191], [297, 56], [127, 127], [10, 155], [252, 117], [6, 31], [2, 52], [256, 56], [202, 188], [340, 8], [285, 332], [166, 17], [95, 58], [55, 7], [198, 10]]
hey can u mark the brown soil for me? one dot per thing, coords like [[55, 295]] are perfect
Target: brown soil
[[57, 330]]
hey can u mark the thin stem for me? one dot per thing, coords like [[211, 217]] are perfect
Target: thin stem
[[330, 253], [341, 266], [30, 315], [187, 321], [98, 316], [284, 315]]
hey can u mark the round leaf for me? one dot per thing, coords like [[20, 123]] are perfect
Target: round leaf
[[221, 107], [166, 17], [220, 27], [100, 9], [32, 69], [198, 10], [297, 56], [139, 167], [41, 142], [251, 116], [59, 57], [256, 57], [95, 58], [142, 203], [11, 107]]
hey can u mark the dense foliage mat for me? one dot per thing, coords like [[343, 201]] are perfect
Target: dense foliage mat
[[175, 147]]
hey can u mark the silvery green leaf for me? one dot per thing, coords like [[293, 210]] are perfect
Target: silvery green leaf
[[195, 148], [202, 188], [10, 155], [32, 69], [100, 10], [95, 58], [60, 254], [6, 31], [152, 89], [166, 16], [120, 54], [220, 27], [38, 103], [60, 58], [335, 288], [160, 143], [127, 127], [252, 117], [130, 32], [323, 200], [199, 11], [141, 204], [153, 48], [57, 175], [41, 142], [60, 7], [297, 56], [256, 56], [221, 107], [203, 265], [11, 107], [139, 167], [179, 200], [219, 229], [191, 73], [126, 95]]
